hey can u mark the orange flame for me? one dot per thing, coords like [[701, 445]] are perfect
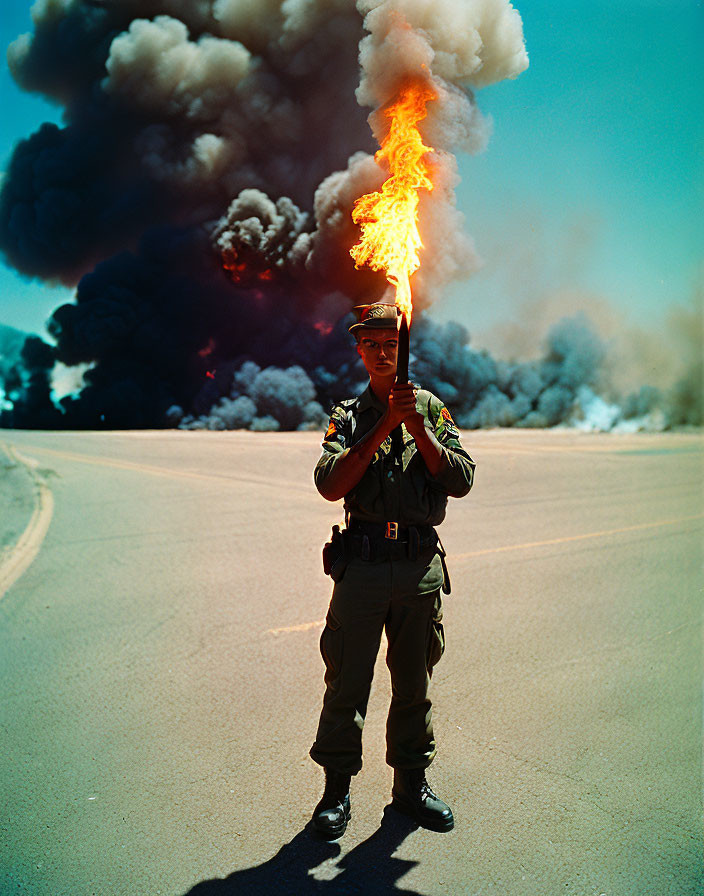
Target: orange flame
[[388, 219], [208, 350], [323, 327], [244, 268]]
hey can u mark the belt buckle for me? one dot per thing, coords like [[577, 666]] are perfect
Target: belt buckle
[[391, 531]]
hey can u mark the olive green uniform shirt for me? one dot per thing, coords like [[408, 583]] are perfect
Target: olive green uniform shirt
[[392, 488]]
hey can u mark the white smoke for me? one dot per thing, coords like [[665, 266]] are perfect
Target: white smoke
[[263, 233], [68, 380], [462, 43], [158, 66], [454, 47]]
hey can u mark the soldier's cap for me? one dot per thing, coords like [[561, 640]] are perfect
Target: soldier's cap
[[377, 316]]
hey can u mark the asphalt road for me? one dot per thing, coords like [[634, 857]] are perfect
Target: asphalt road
[[160, 679]]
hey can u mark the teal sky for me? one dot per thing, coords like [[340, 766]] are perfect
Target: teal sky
[[592, 183], [591, 188], [24, 303]]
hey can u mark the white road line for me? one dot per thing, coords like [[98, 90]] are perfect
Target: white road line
[[17, 559]]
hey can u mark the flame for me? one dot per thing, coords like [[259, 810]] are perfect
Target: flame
[[208, 350], [388, 219], [235, 268], [245, 268]]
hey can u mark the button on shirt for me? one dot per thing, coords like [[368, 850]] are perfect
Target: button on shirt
[[397, 484]]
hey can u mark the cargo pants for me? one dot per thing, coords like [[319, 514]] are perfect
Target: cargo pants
[[402, 598]]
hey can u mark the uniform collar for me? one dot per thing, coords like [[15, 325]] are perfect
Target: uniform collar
[[369, 400]]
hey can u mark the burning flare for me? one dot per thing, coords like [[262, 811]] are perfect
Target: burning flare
[[389, 218]]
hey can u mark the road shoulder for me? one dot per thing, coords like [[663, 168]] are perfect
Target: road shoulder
[[27, 505]]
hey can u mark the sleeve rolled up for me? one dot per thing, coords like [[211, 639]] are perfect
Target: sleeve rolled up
[[335, 443]]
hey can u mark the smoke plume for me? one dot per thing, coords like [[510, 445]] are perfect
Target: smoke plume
[[199, 196]]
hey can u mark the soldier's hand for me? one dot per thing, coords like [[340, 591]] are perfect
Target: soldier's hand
[[402, 407]]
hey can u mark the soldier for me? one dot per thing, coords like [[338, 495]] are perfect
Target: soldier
[[394, 455]]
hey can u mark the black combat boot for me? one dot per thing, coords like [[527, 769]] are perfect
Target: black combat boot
[[333, 811], [412, 796]]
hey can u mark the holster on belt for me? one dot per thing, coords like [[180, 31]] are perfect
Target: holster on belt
[[368, 542], [335, 555]]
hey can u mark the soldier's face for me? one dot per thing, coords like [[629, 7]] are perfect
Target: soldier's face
[[378, 350]]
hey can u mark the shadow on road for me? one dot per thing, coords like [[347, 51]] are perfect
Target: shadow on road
[[367, 869]]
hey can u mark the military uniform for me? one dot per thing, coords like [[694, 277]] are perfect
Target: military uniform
[[389, 583]]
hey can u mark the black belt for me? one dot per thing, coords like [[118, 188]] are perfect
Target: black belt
[[391, 531], [386, 541]]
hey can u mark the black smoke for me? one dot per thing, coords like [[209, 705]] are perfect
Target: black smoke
[[481, 391], [168, 115], [165, 122], [199, 193]]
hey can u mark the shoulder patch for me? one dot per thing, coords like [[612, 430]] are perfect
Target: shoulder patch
[[331, 429], [447, 416]]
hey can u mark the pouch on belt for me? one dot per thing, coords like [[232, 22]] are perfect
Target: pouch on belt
[[335, 556]]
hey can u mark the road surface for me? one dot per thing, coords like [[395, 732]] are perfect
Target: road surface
[[161, 603]]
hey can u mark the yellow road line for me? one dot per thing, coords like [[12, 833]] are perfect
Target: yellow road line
[[131, 466], [306, 626], [567, 538], [303, 627], [571, 441], [19, 557]]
